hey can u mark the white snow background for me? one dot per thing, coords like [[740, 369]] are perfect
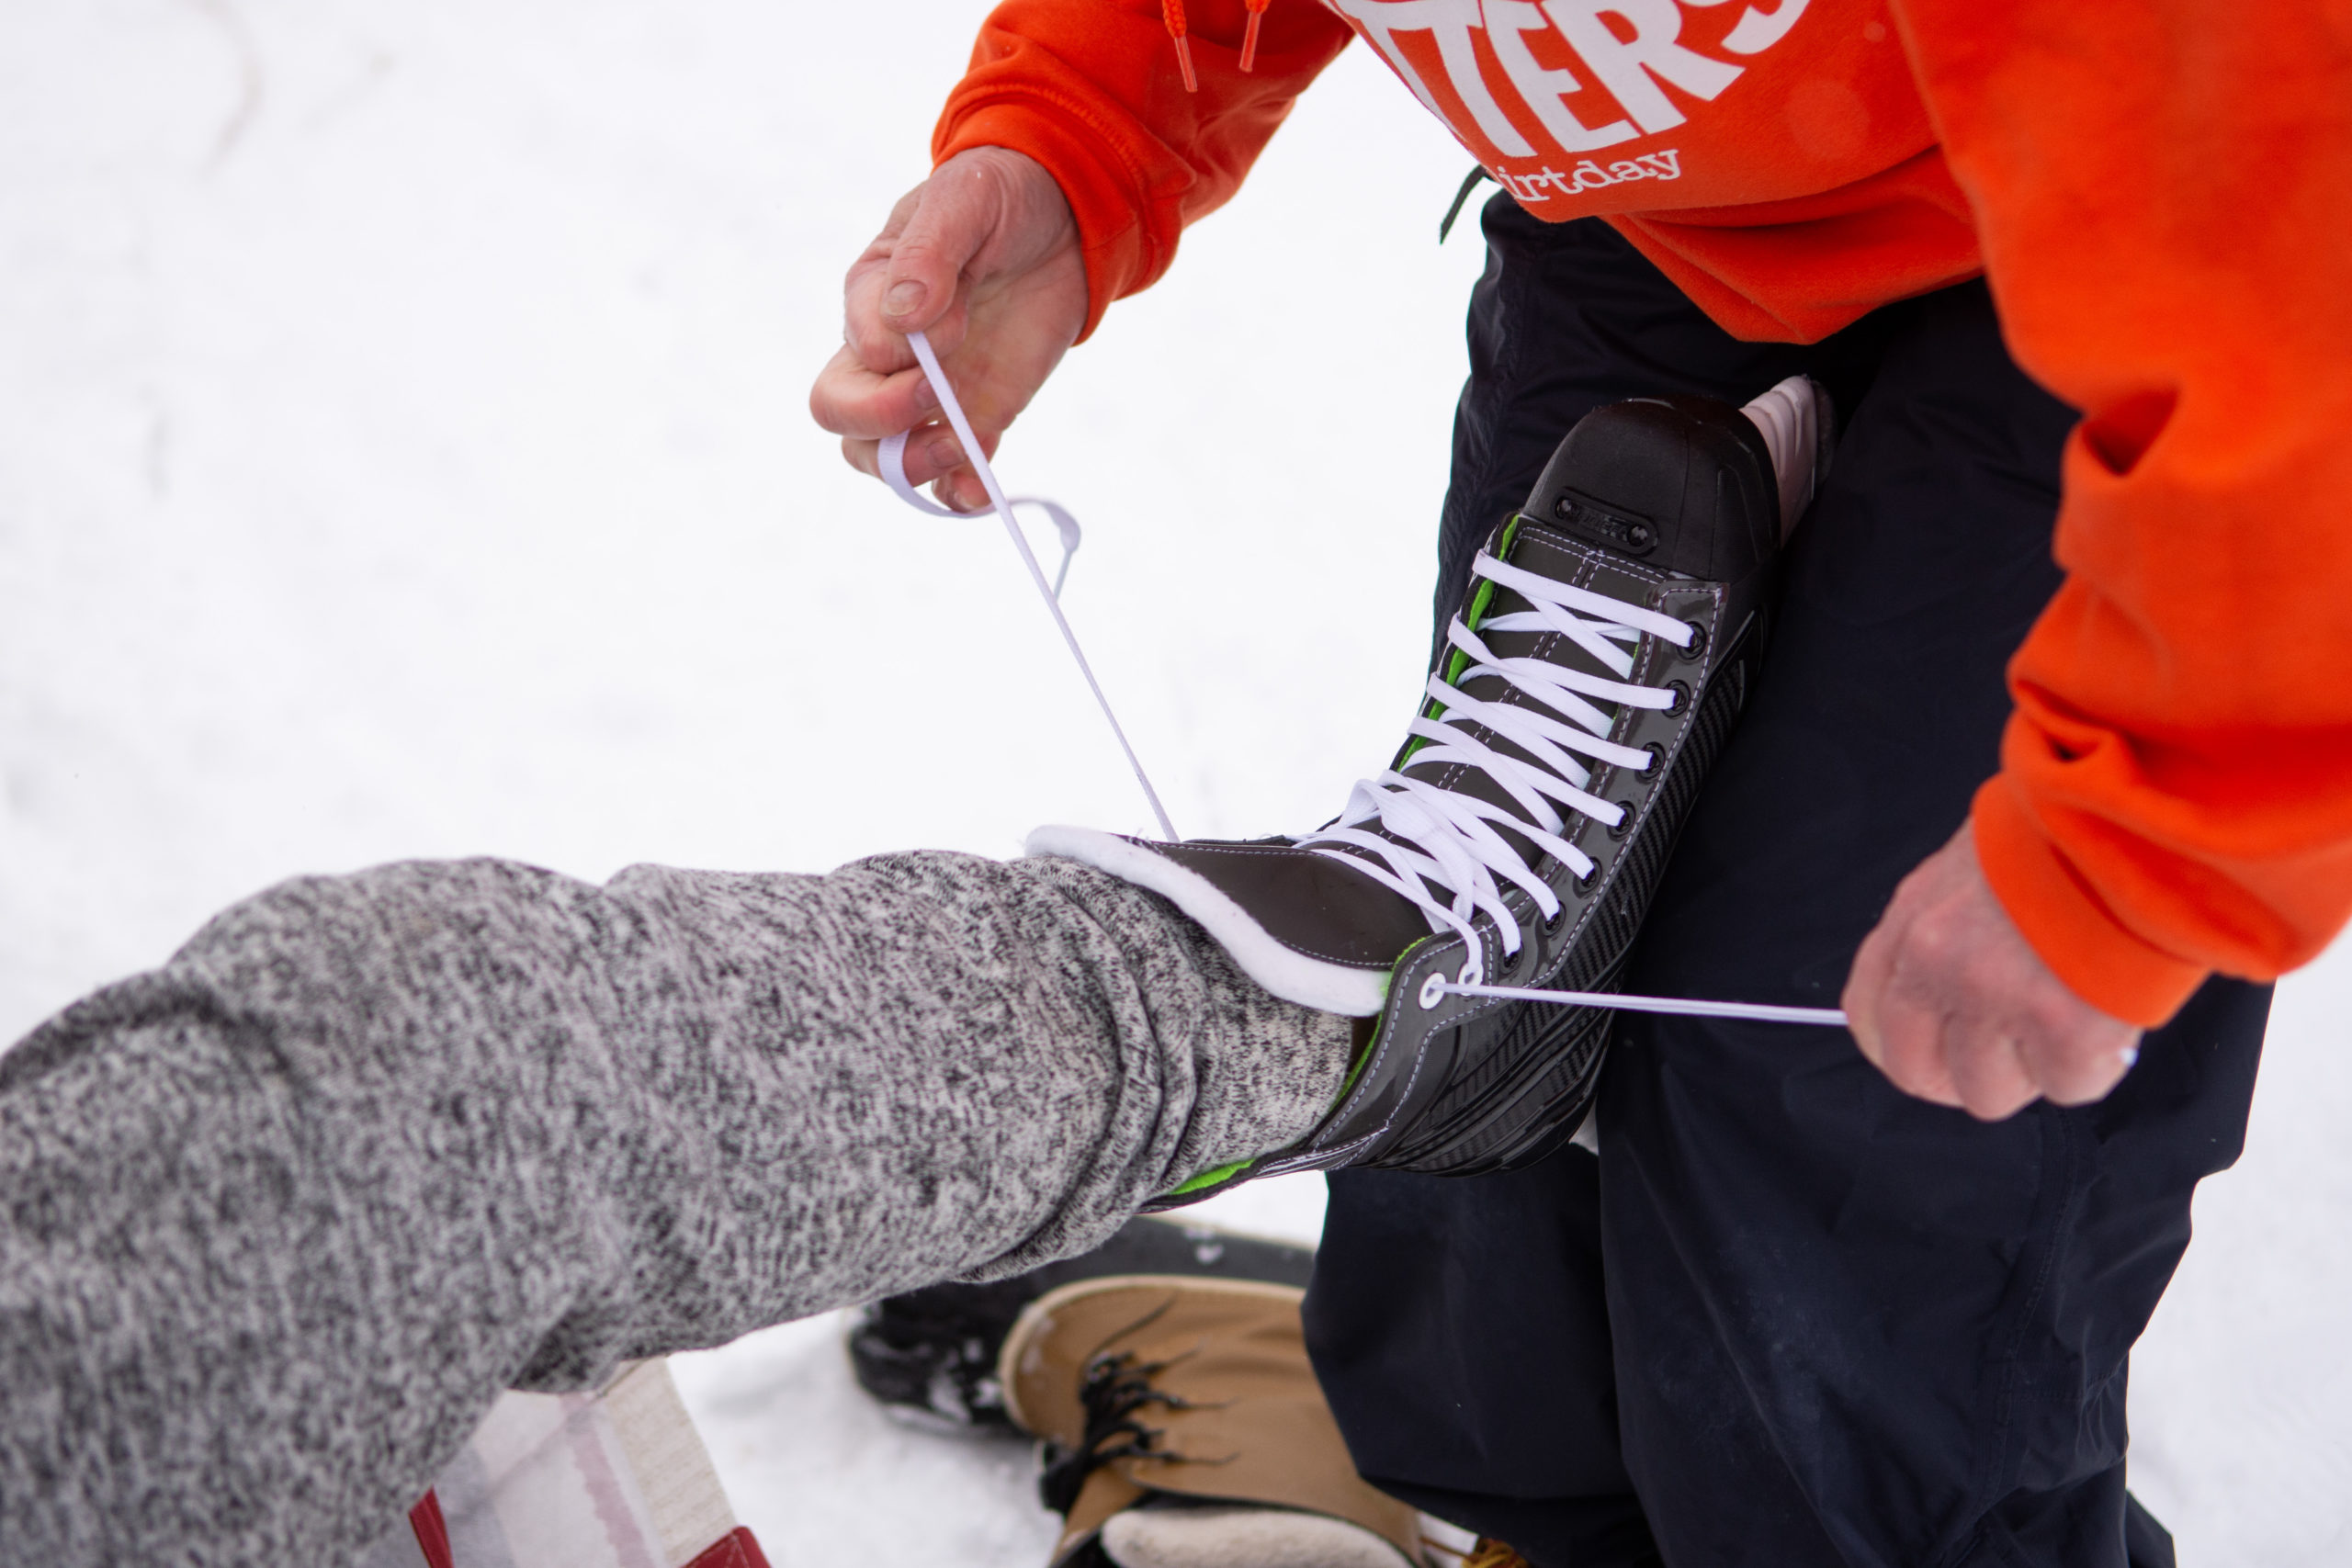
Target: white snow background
[[403, 453]]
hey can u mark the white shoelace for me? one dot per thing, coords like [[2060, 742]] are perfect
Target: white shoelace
[[1052, 592], [1456, 846], [893, 455], [1450, 839]]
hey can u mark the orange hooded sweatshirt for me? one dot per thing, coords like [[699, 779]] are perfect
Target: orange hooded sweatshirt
[[2160, 194]]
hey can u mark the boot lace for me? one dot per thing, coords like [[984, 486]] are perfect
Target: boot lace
[[1115, 1389]]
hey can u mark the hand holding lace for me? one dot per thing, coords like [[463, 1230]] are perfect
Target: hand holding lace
[[1954, 1006]]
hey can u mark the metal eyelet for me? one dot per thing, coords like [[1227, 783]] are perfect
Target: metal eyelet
[[1682, 691], [1625, 823], [1433, 990], [1698, 641], [1515, 965], [1585, 884]]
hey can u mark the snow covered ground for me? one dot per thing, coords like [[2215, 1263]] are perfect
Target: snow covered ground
[[402, 452]]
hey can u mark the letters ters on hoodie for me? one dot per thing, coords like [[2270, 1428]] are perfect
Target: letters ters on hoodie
[[2157, 190]]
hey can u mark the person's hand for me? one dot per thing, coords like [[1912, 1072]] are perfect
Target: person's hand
[[984, 257], [1953, 1005]]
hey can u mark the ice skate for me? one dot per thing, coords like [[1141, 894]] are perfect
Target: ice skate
[[1603, 652]]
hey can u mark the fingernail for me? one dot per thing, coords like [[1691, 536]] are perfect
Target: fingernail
[[926, 397], [903, 299], [946, 452], [2130, 1054]]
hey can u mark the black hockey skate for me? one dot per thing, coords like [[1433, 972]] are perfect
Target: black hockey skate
[[1608, 641]]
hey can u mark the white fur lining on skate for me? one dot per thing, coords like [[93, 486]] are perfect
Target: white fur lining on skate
[[1288, 974]]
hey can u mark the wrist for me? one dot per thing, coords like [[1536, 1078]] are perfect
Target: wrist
[[2062, 916]]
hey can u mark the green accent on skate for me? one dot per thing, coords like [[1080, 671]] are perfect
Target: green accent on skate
[[1209, 1180], [1212, 1177], [1460, 661], [1355, 1068], [1371, 1047]]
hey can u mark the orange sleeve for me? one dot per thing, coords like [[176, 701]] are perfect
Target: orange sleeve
[[1090, 89], [2163, 189]]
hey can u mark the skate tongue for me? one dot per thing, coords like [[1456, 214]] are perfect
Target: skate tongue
[[1682, 484]]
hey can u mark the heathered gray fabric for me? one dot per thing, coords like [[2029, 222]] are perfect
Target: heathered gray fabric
[[279, 1220]]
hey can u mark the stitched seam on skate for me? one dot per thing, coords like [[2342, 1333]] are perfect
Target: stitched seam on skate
[[1480, 1007]]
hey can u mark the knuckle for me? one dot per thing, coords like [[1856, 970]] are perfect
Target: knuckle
[[1991, 1076], [1936, 936]]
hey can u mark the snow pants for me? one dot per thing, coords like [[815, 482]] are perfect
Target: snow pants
[[1788, 1316], [281, 1219]]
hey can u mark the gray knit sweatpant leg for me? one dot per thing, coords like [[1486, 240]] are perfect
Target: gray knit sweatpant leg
[[281, 1219]]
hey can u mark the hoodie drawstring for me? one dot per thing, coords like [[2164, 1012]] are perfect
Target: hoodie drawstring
[[1249, 39], [1171, 12]]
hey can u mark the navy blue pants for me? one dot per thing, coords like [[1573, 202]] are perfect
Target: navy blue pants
[[1789, 1316]]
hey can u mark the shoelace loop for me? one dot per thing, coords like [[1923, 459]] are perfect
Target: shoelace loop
[[893, 462]]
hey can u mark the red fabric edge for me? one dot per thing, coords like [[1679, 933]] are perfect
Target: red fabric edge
[[737, 1549], [433, 1532]]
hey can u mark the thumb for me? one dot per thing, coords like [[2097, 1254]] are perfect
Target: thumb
[[957, 214]]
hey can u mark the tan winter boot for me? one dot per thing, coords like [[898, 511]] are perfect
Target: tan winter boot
[[1184, 1429]]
